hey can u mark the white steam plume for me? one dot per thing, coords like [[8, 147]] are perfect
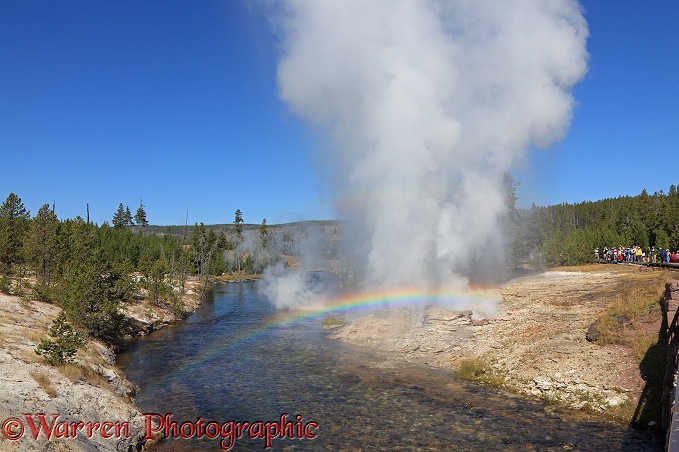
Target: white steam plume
[[427, 104]]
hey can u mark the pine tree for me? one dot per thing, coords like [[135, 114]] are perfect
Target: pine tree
[[202, 249], [156, 285], [75, 243], [91, 293], [40, 246], [119, 219], [140, 216], [238, 222], [128, 216], [264, 234], [66, 342], [14, 222]]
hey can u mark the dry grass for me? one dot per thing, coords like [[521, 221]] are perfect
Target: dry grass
[[634, 320], [530, 333], [28, 356], [16, 318], [331, 322], [638, 299], [480, 371], [44, 382], [641, 344], [77, 373], [592, 268], [35, 335], [16, 335]]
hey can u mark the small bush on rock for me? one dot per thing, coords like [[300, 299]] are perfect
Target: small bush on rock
[[66, 342]]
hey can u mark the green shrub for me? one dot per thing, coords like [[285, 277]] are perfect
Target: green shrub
[[66, 342], [43, 292], [5, 285]]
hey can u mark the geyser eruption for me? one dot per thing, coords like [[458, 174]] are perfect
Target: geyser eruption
[[427, 104]]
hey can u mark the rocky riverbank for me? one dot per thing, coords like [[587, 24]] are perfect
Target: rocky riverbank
[[92, 400], [536, 344]]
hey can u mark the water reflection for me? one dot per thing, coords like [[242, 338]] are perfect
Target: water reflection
[[222, 364]]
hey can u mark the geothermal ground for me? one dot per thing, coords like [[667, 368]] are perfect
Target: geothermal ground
[[536, 344], [91, 389]]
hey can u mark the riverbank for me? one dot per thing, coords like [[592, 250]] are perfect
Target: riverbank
[[143, 317], [92, 389], [535, 345]]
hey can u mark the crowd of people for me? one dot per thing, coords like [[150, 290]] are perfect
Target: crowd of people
[[635, 254]]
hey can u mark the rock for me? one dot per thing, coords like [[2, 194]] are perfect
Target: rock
[[614, 401], [449, 318], [542, 384], [593, 333], [582, 387], [78, 401]]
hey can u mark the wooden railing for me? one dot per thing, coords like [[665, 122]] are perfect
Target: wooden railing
[[670, 414]]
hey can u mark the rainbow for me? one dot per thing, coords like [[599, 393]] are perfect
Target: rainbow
[[404, 296], [453, 298]]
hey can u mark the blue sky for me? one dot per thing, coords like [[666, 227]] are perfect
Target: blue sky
[[176, 103], [625, 132]]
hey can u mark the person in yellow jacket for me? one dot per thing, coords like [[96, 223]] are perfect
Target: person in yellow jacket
[[638, 254]]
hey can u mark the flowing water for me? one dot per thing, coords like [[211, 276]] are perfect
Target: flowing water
[[226, 363]]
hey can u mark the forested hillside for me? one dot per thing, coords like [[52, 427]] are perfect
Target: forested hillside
[[567, 234], [89, 270]]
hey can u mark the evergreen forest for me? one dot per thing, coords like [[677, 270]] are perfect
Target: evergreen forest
[[89, 270], [567, 234]]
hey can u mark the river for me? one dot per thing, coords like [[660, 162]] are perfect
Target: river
[[235, 360]]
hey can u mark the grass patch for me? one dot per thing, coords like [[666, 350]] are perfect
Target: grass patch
[[624, 413], [589, 408], [34, 335], [44, 382], [638, 298], [479, 371], [77, 374], [549, 399], [641, 344], [637, 304], [333, 322], [591, 400], [27, 356], [585, 268]]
